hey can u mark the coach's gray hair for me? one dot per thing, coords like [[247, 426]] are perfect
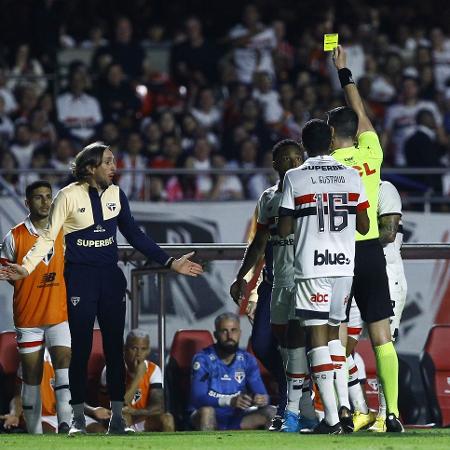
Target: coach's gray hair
[[137, 333], [226, 316]]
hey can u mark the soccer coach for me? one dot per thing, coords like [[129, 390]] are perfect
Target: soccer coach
[[90, 211]]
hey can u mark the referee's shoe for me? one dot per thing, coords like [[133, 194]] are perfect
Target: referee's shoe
[[393, 424], [118, 426]]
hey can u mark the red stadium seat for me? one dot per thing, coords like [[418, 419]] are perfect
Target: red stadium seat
[[185, 344], [435, 368], [95, 366], [364, 348], [9, 363]]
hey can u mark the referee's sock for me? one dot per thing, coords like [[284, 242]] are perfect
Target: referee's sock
[[32, 407], [116, 409], [387, 368]]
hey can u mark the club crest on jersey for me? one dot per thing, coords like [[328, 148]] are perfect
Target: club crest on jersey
[[239, 376], [137, 396], [111, 206], [99, 229], [75, 300]]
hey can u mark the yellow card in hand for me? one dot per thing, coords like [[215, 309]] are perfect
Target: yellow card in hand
[[330, 42]]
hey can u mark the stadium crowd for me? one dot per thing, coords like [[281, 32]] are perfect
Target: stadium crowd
[[228, 95]]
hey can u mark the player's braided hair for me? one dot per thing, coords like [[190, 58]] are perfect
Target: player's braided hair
[[90, 156]]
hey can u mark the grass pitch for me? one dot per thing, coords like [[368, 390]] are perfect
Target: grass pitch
[[435, 439]]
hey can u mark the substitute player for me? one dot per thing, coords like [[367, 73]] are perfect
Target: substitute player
[[287, 154], [391, 238], [40, 310], [144, 395], [227, 392], [89, 211], [49, 416], [324, 202], [370, 286]]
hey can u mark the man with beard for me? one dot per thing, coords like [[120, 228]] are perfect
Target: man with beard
[[227, 392]]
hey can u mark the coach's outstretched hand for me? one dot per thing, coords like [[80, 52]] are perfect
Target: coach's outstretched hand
[[186, 267], [13, 272]]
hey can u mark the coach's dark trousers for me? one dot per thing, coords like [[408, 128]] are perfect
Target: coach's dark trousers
[[96, 292]]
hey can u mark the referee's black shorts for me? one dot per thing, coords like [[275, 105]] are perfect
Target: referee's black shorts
[[370, 283]]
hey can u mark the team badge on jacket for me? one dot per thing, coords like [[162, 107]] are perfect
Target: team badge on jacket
[[75, 300], [111, 206], [239, 376]]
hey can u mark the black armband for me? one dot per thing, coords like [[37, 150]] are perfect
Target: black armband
[[345, 77], [169, 262]]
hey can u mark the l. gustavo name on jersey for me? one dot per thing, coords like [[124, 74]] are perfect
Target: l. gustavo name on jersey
[[95, 242], [328, 179], [330, 259]]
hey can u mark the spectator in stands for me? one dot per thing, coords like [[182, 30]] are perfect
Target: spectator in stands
[[110, 134], [152, 137], [63, 155], [27, 100], [6, 93], [14, 418], [251, 121], [96, 38], [441, 58], [296, 119], [168, 124], [201, 160], [226, 383], [225, 187], [23, 147], [41, 129], [206, 111], [170, 153], [132, 183], [268, 98], [6, 125], [9, 162], [78, 112], [27, 71], [124, 50], [401, 118], [118, 100], [253, 44], [260, 182], [194, 61], [144, 396], [284, 52], [422, 149]]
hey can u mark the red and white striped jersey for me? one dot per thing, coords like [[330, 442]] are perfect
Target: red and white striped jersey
[[323, 196]]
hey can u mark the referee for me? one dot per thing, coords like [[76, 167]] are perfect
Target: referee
[[90, 211], [370, 285]]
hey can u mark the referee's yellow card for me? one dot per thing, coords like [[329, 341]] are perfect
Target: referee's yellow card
[[330, 42]]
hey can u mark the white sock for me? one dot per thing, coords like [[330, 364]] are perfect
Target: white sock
[[354, 387], [32, 407], [337, 353], [382, 401], [296, 370], [306, 404], [62, 394], [323, 373], [284, 356]]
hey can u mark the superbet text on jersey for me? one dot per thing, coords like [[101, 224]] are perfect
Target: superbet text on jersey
[[324, 195]]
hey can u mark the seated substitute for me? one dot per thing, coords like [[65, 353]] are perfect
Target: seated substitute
[[144, 396], [227, 392], [49, 421]]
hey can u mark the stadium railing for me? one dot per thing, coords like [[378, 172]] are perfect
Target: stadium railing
[[215, 252]]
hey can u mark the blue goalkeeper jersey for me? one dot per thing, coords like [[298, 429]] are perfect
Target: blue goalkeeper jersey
[[213, 380]]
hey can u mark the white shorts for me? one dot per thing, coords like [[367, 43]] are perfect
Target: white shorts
[[282, 305], [53, 421], [398, 289], [319, 301], [31, 340]]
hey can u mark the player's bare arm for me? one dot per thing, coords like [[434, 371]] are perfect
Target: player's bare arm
[[388, 227], [285, 226], [351, 92], [155, 405], [362, 222], [253, 255]]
